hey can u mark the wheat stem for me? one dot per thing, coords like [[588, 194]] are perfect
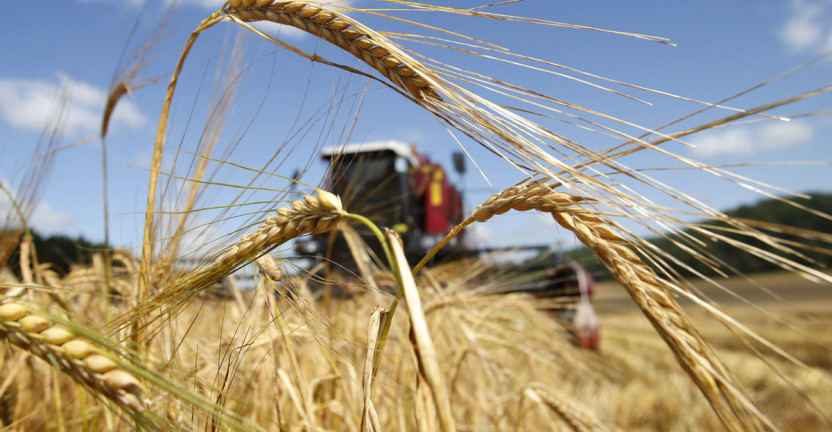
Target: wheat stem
[[428, 360]]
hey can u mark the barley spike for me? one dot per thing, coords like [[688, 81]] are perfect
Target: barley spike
[[71, 354], [346, 33]]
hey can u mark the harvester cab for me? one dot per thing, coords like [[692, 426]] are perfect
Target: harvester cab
[[395, 186]]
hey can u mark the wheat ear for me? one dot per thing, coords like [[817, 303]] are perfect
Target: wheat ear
[[73, 355], [579, 417], [270, 268], [648, 291], [369, 417], [344, 32], [309, 215]]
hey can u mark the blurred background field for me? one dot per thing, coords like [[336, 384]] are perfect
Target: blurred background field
[[654, 394]]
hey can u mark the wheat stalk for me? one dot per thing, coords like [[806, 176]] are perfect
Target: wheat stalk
[[426, 356], [73, 355], [649, 292]]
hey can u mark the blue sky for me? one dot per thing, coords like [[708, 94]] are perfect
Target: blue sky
[[75, 47]]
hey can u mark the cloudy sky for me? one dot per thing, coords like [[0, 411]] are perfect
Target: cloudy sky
[[60, 61]]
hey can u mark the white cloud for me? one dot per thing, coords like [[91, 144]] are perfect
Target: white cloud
[[479, 235], [732, 141], [47, 220], [741, 141], [809, 27], [781, 135], [31, 104]]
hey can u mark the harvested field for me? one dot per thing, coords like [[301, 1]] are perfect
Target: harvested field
[[652, 393]]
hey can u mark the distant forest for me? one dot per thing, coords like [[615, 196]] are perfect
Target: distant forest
[[790, 220], [60, 252]]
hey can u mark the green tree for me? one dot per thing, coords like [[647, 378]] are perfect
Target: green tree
[[60, 251], [770, 216]]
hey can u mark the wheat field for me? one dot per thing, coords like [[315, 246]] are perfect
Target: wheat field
[[165, 337]]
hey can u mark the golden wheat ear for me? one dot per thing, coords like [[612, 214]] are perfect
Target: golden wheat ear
[[78, 358], [344, 32], [309, 215]]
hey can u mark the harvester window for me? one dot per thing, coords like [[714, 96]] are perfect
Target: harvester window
[[370, 185]]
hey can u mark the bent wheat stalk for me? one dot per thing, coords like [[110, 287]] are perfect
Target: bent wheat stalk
[[648, 291], [73, 355]]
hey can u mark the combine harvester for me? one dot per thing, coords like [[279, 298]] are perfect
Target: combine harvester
[[395, 186]]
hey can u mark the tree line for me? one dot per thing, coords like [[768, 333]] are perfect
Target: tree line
[[59, 251], [789, 221]]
